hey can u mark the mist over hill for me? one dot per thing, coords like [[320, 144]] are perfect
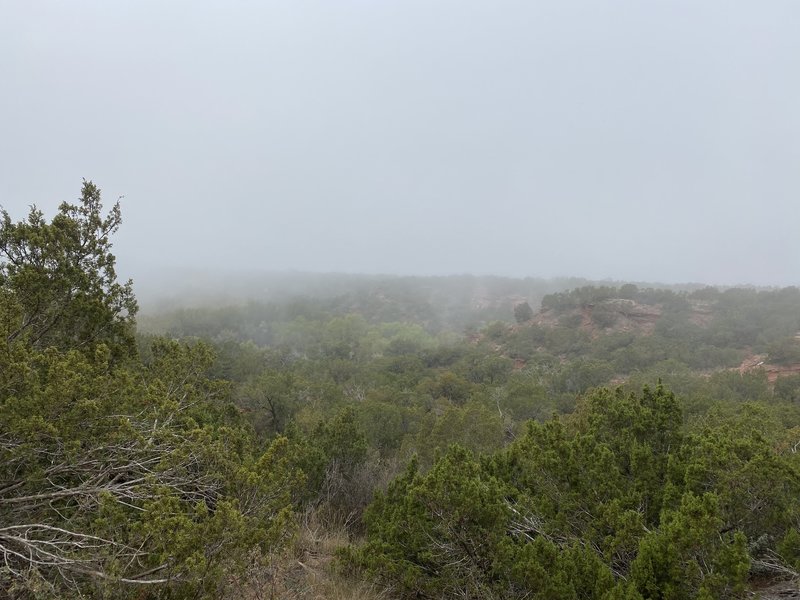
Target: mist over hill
[[164, 289], [400, 300], [387, 437]]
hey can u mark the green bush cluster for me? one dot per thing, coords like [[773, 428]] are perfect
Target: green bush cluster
[[614, 501]]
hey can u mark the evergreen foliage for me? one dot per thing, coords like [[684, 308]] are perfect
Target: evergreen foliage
[[613, 501], [118, 478], [504, 461]]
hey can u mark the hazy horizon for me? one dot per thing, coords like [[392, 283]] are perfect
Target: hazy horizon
[[623, 141]]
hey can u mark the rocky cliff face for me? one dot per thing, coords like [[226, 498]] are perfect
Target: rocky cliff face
[[617, 314], [620, 314]]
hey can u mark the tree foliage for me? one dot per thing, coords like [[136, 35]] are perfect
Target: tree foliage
[[58, 281], [133, 466], [523, 312], [614, 501], [118, 478]]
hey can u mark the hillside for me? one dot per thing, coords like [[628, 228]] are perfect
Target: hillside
[[696, 319], [390, 439]]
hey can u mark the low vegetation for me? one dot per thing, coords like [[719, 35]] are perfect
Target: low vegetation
[[399, 439]]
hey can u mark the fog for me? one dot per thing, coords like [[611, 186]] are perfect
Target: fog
[[631, 140]]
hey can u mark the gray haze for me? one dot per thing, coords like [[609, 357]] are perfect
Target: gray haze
[[645, 140]]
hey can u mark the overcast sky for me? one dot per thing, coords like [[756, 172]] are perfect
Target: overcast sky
[[654, 140]]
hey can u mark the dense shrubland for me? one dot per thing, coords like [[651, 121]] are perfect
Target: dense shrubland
[[617, 500], [602, 448], [119, 477]]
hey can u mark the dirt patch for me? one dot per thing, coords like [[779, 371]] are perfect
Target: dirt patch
[[759, 361], [702, 312], [753, 361]]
